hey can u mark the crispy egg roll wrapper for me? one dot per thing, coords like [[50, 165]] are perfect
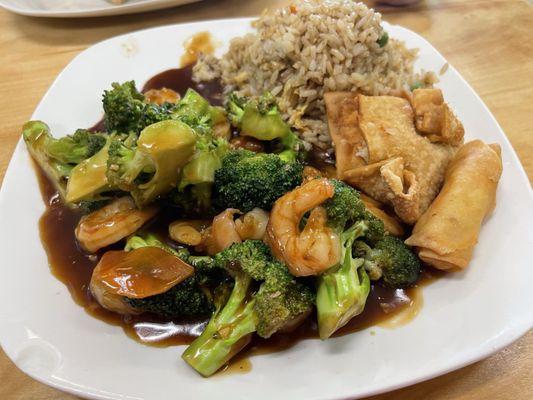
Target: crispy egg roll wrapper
[[445, 235]]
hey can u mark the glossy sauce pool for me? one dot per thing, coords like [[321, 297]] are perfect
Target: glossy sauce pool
[[73, 267]]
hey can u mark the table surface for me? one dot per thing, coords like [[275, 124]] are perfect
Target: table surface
[[489, 42]]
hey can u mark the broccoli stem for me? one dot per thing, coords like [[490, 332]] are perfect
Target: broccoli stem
[[228, 332], [342, 293]]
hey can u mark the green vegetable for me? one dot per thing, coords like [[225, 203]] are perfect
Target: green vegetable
[[36, 135], [279, 301], [259, 119], [342, 292], [383, 40], [193, 193], [207, 159], [247, 180], [195, 111], [192, 201], [153, 166], [126, 110], [190, 298], [88, 179], [58, 157], [391, 260], [262, 120], [346, 208], [76, 148]]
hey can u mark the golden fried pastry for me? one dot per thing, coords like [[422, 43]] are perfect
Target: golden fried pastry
[[382, 154], [434, 117], [446, 234]]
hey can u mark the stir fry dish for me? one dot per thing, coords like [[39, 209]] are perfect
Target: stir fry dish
[[256, 207]]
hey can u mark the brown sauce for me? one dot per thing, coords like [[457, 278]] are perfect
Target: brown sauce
[[180, 79], [200, 43], [73, 267]]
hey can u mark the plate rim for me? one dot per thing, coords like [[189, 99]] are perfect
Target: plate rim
[[507, 336], [101, 11]]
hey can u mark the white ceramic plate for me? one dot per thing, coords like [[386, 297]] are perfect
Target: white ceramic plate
[[466, 316], [85, 8]]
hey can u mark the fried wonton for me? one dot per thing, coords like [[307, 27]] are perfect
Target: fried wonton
[[379, 151], [434, 118]]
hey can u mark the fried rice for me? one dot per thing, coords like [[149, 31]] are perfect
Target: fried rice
[[303, 50]]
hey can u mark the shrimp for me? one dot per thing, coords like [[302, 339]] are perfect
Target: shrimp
[[315, 248], [227, 230], [223, 232], [161, 96], [252, 225], [111, 223]]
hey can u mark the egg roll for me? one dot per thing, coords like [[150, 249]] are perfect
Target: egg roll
[[445, 235]]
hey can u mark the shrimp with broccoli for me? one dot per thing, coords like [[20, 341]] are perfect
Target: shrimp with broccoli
[[316, 247]]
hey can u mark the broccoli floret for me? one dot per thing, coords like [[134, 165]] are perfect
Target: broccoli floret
[[88, 179], [190, 298], [346, 207], [196, 112], [247, 180], [185, 299], [126, 110], [206, 160], [85, 180], [342, 292], [261, 119], [279, 300], [153, 165], [77, 147], [123, 107], [251, 256], [193, 194], [36, 135], [375, 229], [125, 165], [416, 85], [59, 158], [391, 260], [192, 201], [235, 109], [156, 113]]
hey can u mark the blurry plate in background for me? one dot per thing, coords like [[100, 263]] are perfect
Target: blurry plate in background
[[85, 8]]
